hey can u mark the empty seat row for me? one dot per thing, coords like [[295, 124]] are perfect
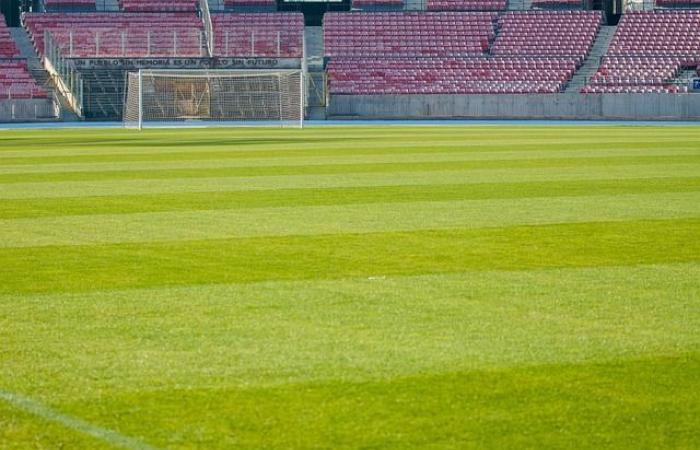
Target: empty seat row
[[466, 5], [648, 51], [514, 75], [431, 34], [8, 49], [259, 35], [69, 3], [235, 3], [158, 5], [131, 35], [16, 83], [547, 33]]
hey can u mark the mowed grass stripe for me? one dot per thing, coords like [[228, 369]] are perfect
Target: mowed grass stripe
[[130, 204], [447, 177], [326, 169], [363, 218], [341, 159], [366, 329], [156, 145], [116, 266]]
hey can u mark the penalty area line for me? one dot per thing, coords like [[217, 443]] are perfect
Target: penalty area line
[[109, 436]]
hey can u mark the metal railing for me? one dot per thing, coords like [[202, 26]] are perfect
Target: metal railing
[[109, 43], [65, 77], [243, 43], [208, 27]]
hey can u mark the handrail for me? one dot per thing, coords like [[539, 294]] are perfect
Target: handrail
[[65, 77], [208, 26]]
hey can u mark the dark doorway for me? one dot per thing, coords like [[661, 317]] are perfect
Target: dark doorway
[[313, 9], [10, 9]]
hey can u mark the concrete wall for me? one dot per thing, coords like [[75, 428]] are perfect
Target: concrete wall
[[27, 110], [531, 106]]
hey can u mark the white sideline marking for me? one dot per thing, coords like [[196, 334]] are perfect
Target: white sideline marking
[[104, 434]]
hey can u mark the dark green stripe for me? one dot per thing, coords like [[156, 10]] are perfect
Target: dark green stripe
[[79, 268], [125, 204]]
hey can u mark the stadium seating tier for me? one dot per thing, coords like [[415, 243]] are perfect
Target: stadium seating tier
[[648, 51], [259, 35], [130, 35]]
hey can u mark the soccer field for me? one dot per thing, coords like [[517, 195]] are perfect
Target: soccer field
[[350, 287]]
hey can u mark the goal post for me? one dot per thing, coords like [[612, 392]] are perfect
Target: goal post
[[214, 97]]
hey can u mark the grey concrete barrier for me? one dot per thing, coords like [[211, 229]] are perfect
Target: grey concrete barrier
[[527, 106]]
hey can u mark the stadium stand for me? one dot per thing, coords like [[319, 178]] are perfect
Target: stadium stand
[[158, 5], [8, 49], [678, 3], [377, 3], [466, 5], [510, 75], [407, 34], [57, 4], [648, 51], [534, 52], [547, 33], [262, 3], [259, 34], [17, 83], [131, 35], [558, 4]]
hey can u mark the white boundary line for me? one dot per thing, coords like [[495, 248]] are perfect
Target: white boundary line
[[74, 423]]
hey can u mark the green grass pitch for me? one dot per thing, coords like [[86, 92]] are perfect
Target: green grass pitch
[[342, 288]]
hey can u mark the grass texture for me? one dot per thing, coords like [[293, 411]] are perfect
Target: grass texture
[[350, 288]]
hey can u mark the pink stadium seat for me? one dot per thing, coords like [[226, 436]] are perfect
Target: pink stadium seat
[[648, 51], [407, 34], [447, 53], [158, 5], [16, 83], [569, 4], [500, 75], [377, 3], [90, 35], [7, 45], [259, 34], [466, 5], [234, 3], [69, 3], [547, 33]]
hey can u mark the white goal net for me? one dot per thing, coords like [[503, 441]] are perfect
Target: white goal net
[[214, 97]]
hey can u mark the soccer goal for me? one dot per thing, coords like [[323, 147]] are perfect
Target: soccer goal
[[214, 97]]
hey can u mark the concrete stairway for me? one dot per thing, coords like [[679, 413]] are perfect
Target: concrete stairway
[[313, 47], [107, 5], [216, 5], [27, 51], [592, 62], [518, 5], [415, 5], [316, 76]]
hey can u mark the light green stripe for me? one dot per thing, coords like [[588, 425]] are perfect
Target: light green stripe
[[357, 328], [136, 187], [378, 217], [341, 159]]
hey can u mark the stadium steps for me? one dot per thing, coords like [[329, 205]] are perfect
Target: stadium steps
[[108, 5], [216, 5], [42, 77], [518, 5], [592, 62], [415, 5], [316, 76]]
